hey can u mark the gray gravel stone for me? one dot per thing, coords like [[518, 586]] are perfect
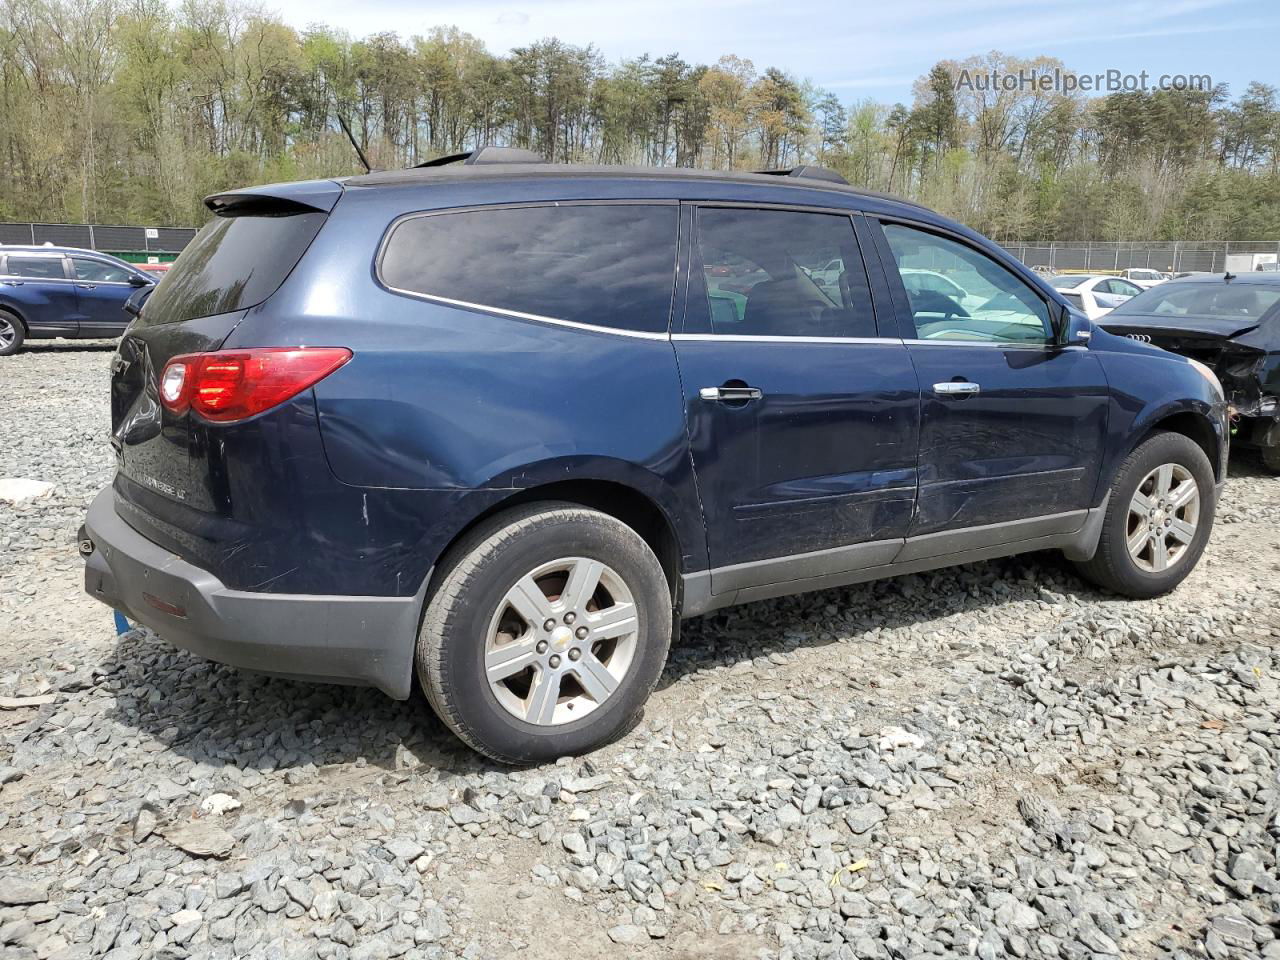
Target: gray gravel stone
[[864, 818], [200, 838], [994, 760], [628, 934], [16, 891]]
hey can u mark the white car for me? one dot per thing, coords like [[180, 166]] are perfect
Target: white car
[[1095, 295], [1144, 277], [919, 281], [827, 275]]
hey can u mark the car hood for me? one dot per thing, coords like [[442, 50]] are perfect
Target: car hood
[[1212, 326]]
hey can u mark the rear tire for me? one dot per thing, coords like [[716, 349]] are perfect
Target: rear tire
[[1271, 457], [12, 334], [1158, 520], [547, 628]]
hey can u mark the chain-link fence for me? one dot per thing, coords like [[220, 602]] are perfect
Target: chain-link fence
[[107, 238], [1167, 257]]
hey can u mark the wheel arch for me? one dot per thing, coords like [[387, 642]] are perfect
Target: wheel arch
[[622, 501], [6, 307], [1193, 424]]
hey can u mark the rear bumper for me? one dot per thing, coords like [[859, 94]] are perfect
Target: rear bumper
[[366, 641]]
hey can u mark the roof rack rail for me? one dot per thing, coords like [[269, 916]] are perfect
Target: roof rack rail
[[486, 154], [809, 170]]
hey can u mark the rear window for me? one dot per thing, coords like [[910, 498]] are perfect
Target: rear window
[[1221, 301], [1068, 282], [609, 265], [36, 268], [233, 263]]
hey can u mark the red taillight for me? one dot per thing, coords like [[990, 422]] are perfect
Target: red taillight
[[234, 384]]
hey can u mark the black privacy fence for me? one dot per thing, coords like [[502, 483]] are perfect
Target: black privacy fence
[[109, 239], [164, 243]]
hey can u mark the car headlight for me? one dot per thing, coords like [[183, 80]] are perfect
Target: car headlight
[[1208, 374]]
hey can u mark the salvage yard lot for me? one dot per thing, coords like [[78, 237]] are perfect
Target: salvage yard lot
[[988, 760]]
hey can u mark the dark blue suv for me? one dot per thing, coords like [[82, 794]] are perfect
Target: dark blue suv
[[63, 292], [501, 424]]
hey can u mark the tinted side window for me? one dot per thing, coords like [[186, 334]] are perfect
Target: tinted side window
[[37, 268], [606, 265], [986, 304], [781, 273], [96, 271]]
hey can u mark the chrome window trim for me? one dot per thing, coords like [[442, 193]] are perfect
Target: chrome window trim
[[747, 338], [516, 314], [996, 345]]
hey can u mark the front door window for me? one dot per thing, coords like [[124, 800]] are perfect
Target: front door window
[[957, 293]]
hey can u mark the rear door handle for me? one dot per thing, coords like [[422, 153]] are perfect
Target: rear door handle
[[956, 388], [731, 394]]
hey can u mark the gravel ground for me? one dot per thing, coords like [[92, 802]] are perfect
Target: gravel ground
[[993, 760]]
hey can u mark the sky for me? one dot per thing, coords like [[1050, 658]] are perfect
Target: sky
[[855, 48]]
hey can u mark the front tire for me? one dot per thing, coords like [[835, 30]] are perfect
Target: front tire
[[1158, 520], [547, 628], [12, 334]]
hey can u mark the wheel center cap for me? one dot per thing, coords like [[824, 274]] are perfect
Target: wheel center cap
[[561, 638]]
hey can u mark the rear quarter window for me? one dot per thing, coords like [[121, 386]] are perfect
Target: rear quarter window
[[606, 265], [233, 263]]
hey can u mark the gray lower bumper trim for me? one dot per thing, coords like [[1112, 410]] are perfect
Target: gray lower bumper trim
[[358, 640], [1076, 533]]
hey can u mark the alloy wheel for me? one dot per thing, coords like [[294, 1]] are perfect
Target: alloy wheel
[[561, 641], [1164, 514]]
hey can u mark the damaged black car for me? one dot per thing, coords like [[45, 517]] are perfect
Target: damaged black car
[[1229, 323]]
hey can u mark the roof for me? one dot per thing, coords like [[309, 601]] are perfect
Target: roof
[[455, 172], [50, 250], [1253, 276]]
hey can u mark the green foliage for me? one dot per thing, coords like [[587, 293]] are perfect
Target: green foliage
[[133, 110]]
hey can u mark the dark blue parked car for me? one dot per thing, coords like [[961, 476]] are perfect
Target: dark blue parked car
[[503, 423], [63, 292]]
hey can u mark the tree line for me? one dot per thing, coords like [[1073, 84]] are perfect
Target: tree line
[[130, 111]]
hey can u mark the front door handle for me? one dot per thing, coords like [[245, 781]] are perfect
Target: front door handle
[[731, 394], [87, 286], [956, 388]]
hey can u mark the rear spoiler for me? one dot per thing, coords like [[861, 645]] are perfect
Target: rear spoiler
[[276, 199]]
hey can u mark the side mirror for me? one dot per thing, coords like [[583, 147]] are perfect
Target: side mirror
[[1074, 329], [137, 280], [133, 306]]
